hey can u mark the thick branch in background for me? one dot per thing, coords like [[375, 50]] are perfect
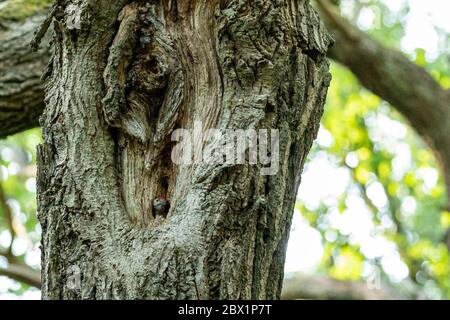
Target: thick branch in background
[[390, 75], [22, 273], [21, 88]]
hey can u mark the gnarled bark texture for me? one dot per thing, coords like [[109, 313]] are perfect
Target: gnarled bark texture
[[121, 84]]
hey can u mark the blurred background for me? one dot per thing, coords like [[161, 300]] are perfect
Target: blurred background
[[370, 221]]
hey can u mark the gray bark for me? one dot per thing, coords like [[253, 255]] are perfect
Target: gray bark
[[120, 85]]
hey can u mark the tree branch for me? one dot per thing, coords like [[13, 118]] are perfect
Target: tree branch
[[19, 271], [22, 273], [394, 78]]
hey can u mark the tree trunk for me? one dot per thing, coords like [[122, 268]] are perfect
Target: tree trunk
[[21, 88], [121, 84]]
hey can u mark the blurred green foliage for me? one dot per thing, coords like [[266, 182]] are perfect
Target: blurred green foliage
[[377, 147], [18, 183]]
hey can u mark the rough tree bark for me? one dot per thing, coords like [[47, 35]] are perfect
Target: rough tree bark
[[119, 86]]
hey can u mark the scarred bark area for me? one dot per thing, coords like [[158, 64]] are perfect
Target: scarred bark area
[[133, 73]]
